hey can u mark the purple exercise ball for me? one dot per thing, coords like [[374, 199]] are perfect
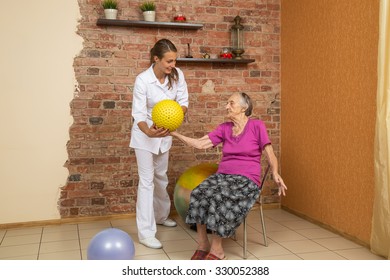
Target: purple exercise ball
[[111, 244]]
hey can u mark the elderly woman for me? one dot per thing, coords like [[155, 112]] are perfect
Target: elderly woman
[[222, 201]]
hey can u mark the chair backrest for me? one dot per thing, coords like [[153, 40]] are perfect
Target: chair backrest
[[265, 176]]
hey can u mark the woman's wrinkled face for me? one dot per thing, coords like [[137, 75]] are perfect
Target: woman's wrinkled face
[[234, 107], [166, 63]]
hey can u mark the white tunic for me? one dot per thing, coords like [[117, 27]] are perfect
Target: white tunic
[[147, 92]]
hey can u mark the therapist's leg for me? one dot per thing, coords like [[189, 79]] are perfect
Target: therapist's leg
[[144, 209], [162, 201]]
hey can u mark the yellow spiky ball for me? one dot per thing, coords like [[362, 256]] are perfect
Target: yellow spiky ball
[[168, 114]]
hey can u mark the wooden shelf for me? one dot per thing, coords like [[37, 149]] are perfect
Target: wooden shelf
[[216, 60], [155, 24], [176, 25]]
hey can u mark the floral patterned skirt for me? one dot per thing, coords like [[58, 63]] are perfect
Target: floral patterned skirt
[[221, 202]]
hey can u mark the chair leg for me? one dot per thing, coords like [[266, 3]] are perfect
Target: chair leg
[[264, 232], [263, 225], [245, 244]]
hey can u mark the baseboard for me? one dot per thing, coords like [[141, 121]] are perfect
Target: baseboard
[[73, 220]]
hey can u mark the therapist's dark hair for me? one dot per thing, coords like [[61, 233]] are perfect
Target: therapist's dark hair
[[159, 49]]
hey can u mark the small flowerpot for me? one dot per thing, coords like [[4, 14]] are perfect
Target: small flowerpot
[[110, 13], [149, 15]]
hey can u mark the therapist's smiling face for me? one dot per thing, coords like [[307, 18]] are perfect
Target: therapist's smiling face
[[166, 63]]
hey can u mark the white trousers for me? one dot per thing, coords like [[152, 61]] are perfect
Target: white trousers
[[153, 202]]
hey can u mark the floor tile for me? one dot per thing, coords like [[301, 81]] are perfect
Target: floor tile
[[303, 246], [100, 225], [2, 234], [21, 240], [237, 253], [280, 215], [84, 254], [313, 233], [191, 232], [91, 232], [19, 250], [229, 242], [289, 235], [24, 231], [20, 258], [252, 238], [337, 243], [84, 242], [273, 249], [250, 228], [124, 222], [164, 228], [282, 257], [300, 224], [358, 254], [65, 255], [172, 235], [181, 255], [289, 238], [269, 226], [153, 257], [254, 217], [143, 250], [127, 228], [179, 245], [59, 235], [324, 255], [59, 246], [60, 228]]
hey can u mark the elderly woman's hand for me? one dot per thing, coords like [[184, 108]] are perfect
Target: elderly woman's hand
[[174, 133], [282, 186]]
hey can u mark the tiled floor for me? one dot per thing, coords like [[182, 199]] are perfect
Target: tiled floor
[[289, 237]]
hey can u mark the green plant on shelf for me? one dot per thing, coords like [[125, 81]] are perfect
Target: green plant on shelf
[[110, 4], [148, 6]]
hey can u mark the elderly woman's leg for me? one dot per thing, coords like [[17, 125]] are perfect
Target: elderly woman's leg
[[203, 243], [203, 240], [216, 248]]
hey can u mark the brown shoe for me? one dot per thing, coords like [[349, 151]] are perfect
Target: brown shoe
[[199, 255], [214, 257]]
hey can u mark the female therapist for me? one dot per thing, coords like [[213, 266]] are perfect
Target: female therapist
[[162, 80]]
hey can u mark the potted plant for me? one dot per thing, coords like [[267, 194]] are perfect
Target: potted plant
[[110, 8], [148, 9]]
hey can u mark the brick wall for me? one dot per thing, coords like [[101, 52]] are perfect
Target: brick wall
[[102, 168]]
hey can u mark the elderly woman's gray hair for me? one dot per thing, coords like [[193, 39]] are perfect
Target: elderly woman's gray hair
[[246, 102]]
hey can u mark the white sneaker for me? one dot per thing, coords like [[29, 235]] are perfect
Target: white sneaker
[[151, 242], [168, 223]]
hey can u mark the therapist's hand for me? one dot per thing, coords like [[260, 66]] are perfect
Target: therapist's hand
[[157, 131]]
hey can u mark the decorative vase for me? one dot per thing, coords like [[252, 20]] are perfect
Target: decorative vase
[[149, 15], [110, 13]]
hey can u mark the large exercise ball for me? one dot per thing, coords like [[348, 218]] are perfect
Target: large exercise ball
[[168, 114], [111, 244], [187, 181]]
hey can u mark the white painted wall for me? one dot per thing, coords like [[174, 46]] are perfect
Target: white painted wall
[[38, 45]]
